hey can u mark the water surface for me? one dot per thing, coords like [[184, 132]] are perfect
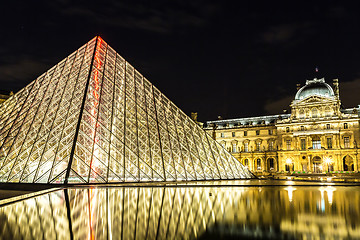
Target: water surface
[[187, 212]]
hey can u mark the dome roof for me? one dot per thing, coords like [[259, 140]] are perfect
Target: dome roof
[[316, 87]]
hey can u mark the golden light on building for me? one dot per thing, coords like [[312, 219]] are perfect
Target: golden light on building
[[317, 135]]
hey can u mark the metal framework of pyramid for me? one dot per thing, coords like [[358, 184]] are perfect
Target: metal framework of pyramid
[[93, 118]]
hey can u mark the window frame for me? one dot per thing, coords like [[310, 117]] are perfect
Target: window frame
[[329, 142], [347, 142]]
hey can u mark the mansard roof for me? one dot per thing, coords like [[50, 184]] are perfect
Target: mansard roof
[[250, 121]]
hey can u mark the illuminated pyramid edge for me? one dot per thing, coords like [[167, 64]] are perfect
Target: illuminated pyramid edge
[[93, 118]]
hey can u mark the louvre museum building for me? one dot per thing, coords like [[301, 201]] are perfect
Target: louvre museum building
[[318, 136]]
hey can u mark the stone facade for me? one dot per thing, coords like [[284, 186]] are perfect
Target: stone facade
[[318, 136]]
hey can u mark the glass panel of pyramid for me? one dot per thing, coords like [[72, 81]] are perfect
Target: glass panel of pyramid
[[93, 118]]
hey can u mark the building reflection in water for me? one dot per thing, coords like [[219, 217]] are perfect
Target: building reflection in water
[[185, 213]]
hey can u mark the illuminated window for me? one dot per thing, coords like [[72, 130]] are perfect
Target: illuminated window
[[327, 112], [246, 162], [258, 164], [245, 133], [346, 142], [233, 134], [345, 126], [271, 163], [314, 113], [246, 146], [288, 144], [303, 144], [302, 114], [258, 146], [257, 132], [271, 146], [234, 147], [316, 143], [327, 126], [329, 142]]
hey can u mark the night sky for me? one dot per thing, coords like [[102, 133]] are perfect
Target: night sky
[[214, 58]]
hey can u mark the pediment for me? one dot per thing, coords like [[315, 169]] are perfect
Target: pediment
[[314, 100]]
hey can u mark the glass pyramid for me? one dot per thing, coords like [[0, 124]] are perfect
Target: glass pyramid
[[93, 118]]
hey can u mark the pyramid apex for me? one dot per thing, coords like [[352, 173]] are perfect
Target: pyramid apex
[[93, 118], [99, 38]]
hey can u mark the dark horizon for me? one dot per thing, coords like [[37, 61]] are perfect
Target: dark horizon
[[212, 58]]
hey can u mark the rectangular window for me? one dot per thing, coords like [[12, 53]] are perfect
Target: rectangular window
[[270, 132], [258, 146], [246, 147], [245, 133], [287, 129], [233, 134], [271, 146], [302, 128], [303, 144], [316, 144], [345, 126], [346, 142], [257, 132], [288, 144], [234, 147], [329, 142], [327, 126], [222, 135]]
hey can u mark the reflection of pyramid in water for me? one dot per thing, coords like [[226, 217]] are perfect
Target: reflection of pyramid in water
[[94, 118]]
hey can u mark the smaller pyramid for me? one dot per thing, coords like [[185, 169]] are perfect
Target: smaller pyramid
[[93, 118]]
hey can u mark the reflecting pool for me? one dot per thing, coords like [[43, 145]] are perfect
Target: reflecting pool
[[186, 212]]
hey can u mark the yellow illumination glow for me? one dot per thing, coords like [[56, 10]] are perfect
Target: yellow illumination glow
[[327, 160]]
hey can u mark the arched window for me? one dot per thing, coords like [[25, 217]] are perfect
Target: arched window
[[270, 164], [258, 164], [246, 162]]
